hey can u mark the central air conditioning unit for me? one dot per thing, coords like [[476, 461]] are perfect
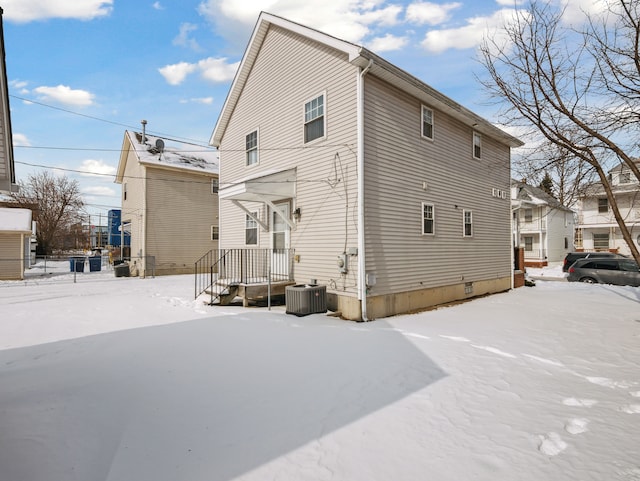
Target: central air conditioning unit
[[304, 299]]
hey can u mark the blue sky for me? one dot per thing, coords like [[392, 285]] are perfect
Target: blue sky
[[81, 72]]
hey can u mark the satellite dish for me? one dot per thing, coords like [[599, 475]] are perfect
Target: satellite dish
[[160, 145]]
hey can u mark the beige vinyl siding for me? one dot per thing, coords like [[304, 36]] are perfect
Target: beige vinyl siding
[[397, 163], [4, 161], [11, 256], [133, 206], [180, 211], [289, 71]]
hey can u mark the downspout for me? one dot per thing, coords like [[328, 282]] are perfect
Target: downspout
[[362, 272]]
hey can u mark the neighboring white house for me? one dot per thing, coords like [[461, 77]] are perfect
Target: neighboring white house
[[383, 189], [15, 242], [169, 203], [597, 228], [542, 226]]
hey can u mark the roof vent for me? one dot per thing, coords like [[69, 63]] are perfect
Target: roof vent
[[160, 145], [144, 128]]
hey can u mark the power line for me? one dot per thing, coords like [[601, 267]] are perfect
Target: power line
[[159, 134]]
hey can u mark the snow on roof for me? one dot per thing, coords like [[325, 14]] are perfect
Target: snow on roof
[[188, 156], [15, 220]]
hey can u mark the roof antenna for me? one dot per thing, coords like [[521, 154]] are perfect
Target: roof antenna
[[144, 128]]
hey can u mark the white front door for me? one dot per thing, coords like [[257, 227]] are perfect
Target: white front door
[[280, 240]]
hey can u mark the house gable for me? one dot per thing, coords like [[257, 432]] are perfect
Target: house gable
[[7, 166]]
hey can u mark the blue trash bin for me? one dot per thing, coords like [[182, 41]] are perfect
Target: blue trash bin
[[95, 263], [76, 264]]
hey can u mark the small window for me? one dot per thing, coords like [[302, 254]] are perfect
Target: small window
[[427, 219], [215, 186], [251, 229], [477, 145], [625, 177], [124, 191], [468, 223], [528, 243], [566, 242], [251, 146], [603, 205], [528, 215], [427, 123], [314, 119], [215, 233], [601, 241]]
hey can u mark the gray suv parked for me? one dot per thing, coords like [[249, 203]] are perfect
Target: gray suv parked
[[618, 271], [571, 257]]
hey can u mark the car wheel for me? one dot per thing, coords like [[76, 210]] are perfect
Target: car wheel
[[589, 280]]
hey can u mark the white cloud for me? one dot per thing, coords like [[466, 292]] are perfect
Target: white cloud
[[575, 10], [387, 43], [99, 191], [176, 73], [92, 168], [509, 3], [30, 10], [65, 95], [20, 139], [158, 6], [468, 36], [349, 20], [427, 13], [217, 70], [213, 69], [183, 38], [18, 84]]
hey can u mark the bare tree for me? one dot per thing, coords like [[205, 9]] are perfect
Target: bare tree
[[59, 205], [569, 175], [585, 100]]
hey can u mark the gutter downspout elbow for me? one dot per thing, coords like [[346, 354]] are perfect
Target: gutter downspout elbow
[[362, 287]]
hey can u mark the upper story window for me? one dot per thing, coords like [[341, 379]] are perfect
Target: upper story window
[[477, 145], [215, 186], [124, 191], [603, 205], [314, 119], [528, 215], [427, 123], [467, 216], [215, 232], [251, 146], [625, 177], [428, 219]]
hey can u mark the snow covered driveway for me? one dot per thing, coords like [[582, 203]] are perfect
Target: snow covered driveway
[[128, 379]]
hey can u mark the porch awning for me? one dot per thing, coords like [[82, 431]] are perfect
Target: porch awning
[[271, 186], [267, 188]]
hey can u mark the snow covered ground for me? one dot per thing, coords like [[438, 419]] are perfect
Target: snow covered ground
[[125, 379]]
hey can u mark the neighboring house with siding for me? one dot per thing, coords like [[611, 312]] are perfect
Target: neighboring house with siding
[[542, 226], [15, 242], [391, 194], [169, 203], [597, 229], [7, 166]]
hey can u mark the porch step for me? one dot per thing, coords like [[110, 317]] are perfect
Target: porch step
[[227, 295]]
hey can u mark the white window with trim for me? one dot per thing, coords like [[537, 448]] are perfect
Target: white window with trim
[[528, 243], [467, 220], [215, 233], [251, 229], [314, 119], [603, 205], [477, 145], [215, 186], [601, 242], [427, 123], [428, 219], [528, 215], [251, 148]]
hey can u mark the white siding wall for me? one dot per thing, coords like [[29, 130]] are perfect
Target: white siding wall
[[288, 72], [560, 226], [397, 162], [133, 206]]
